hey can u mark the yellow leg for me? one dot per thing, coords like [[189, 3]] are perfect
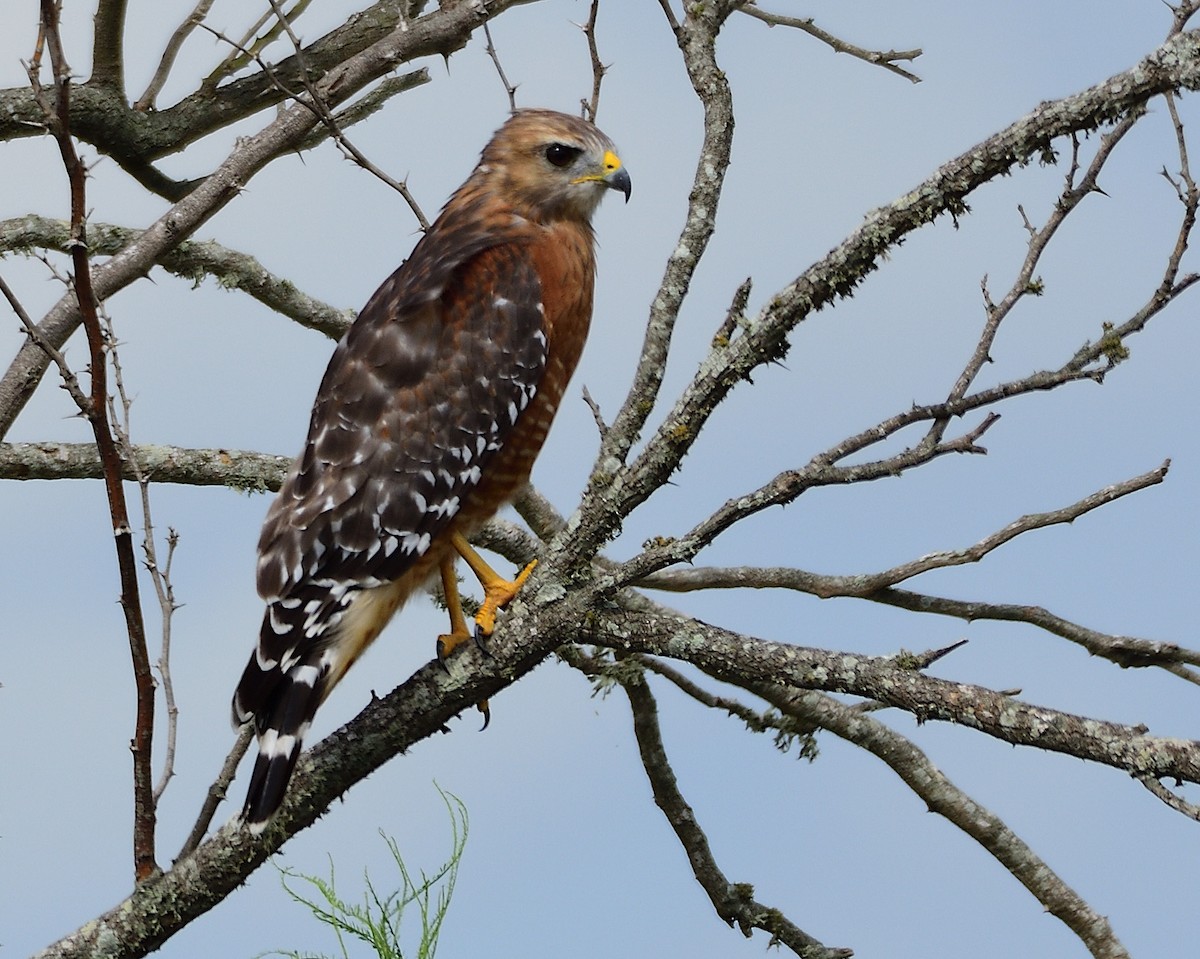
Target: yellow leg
[[498, 592], [459, 634]]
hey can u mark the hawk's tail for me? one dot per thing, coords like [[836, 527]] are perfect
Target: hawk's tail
[[281, 698]]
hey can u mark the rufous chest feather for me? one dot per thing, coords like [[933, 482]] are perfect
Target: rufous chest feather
[[565, 264]]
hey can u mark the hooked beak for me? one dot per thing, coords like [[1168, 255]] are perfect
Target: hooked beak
[[615, 175], [619, 180]]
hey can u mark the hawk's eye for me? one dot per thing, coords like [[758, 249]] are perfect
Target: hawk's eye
[[559, 154]]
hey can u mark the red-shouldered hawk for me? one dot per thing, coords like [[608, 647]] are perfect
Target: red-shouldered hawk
[[428, 419]]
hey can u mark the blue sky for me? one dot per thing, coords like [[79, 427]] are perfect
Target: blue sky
[[567, 853]]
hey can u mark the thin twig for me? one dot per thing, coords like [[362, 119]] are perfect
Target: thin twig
[[880, 58], [1176, 802], [1026, 283], [597, 415], [320, 109], [865, 585], [70, 382], [217, 791], [250, 47], [160, 574], [786, 730], [509, 89], [592, 106], [170, 52], [733, 902]]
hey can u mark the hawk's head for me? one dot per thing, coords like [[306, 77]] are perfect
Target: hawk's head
[[552, 165]]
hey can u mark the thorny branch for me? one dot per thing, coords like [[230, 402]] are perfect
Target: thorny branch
[[616, 489], [591, 106], [320, 108], [160, 573], [865, 585], [249, 48], [96, 411], [510, 89], [367, 57]]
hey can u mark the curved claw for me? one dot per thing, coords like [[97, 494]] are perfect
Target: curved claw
[[484, 708], [481, 641], [447, 643]]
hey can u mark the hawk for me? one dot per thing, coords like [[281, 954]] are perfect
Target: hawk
[[428, 419]]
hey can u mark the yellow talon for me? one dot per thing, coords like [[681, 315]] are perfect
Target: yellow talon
[[447, 643], [497, 594]]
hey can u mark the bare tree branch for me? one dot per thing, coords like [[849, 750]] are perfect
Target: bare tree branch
[[96, 411], [882, 58], [108, 56], [615, 489], [734, 902], [191, 260], [217, 791], [947, 800], [249, 48], [739, 659], [237, 469], [160, 573], [1180, 805], [440, 32], [318, 105], [591, 107], [1126, 651], [1025, 282], [533, 628], [696, 38], [510, 89], [170, 52], [578, 596], [871, 583]]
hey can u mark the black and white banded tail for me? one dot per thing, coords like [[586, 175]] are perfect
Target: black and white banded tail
[[281, 695]]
